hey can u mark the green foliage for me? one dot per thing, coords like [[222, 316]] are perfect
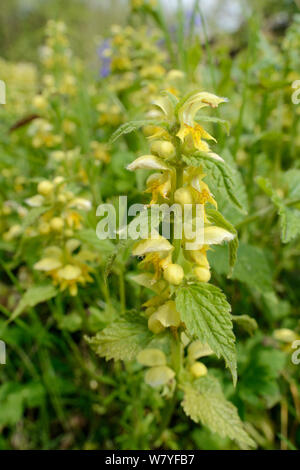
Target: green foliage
[[204, 402], [33, 296], [123, 339], [206, 314], [56, 391], [131, 126]]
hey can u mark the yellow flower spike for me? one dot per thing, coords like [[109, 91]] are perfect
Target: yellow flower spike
[[165, 316], [174, 274], [198, 369], [158, 376], [152, 357]]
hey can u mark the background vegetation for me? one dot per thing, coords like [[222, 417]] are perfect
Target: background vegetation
[[62, 107]]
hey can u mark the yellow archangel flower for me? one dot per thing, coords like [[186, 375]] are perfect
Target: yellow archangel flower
[[159, 184], [159, 373], [156, 252], [66, 269]]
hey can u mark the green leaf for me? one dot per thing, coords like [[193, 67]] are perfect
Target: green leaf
[[33, 296], [247, 323], [217, 218], [89, 236], [289, 223], [15, 397], [200, 118], [204, 402], [292, 181], [252, 266], [133, 126], [289, 216], [123, 339], [221, 178], [206, 313]]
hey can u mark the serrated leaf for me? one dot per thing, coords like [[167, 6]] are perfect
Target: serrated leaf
[[206, 313], [133, 126], [33, 296], [221, 177], [123, 339], [204, 402], [200, 118], [247, 323]]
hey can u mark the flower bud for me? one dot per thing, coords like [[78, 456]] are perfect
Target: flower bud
[[199, 258], [202, 274], [163, 148], [149, 130], [39, 102], [285, 335], [198, 369], [174, 274], [44, 228], [45, 187], [57, 224], [160, 375], [183, 196]]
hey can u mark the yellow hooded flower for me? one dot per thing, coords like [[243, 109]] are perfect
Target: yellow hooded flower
[[157, 252], [148, 162], [165, 316], [189, 128], [158, 376], [158, 184], [65, 269], [152, 357]]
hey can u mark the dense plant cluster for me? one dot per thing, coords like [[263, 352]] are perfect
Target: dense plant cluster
[[106, 338]]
